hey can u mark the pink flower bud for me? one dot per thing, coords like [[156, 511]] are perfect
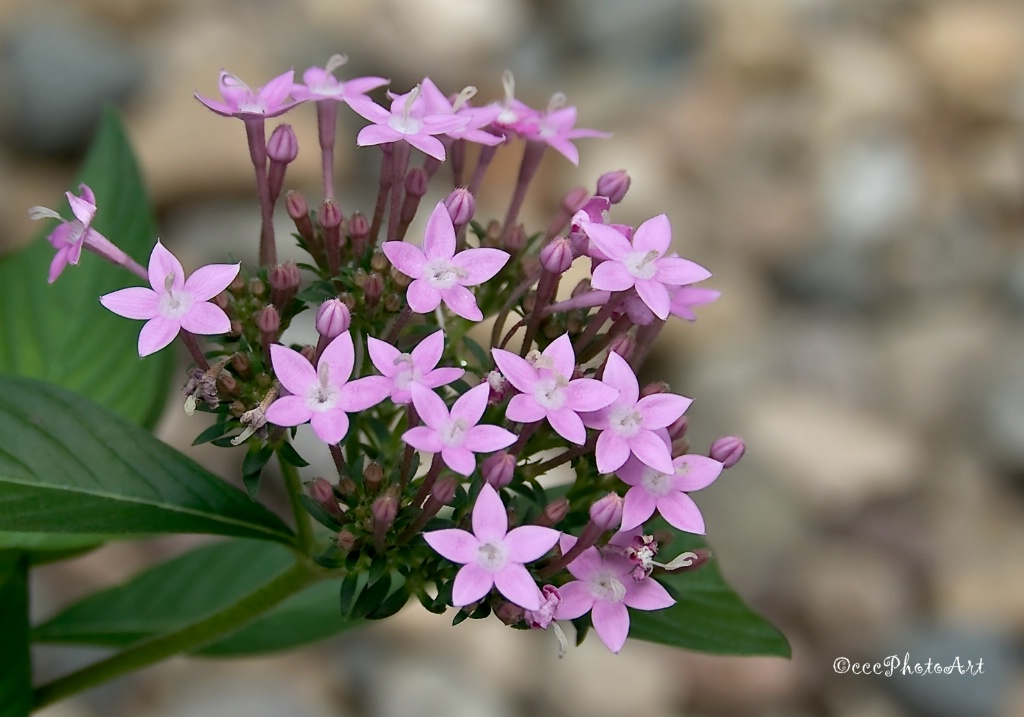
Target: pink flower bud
[[624, 345], [540, 618], [330, 215], [461, 206], [554, 513], [283, 146], [296, 206], [345, 540], [728, 450], [384, 510], [321, 491], [508, 613], [677, 429], [498, 469], [284, 283], [444, 490], [574, 200], [358, 227], [269, 321], [379, 261], [556, 256], [516, 239], [373, 289], [653, 388], [416, 182], [373, 476], [332, 319], [607, 512], [613, 185]]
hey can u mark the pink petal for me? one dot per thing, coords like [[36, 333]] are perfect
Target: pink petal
[[675, 271], [568, 425], [205, 319], [459, 459], [471, 405], [490, 521], [649, 448], [442, 123], [530, 542], [133, 303], [611, 623], [585, 564], [619, 375], [439, 237], [612, 276], [524, 408], [515, 583], [637, 507], [565, 148], [364, 392], [370, 110], [208, 281], [632, 471], [376, 133], [382, 355], [516, 369], [462, 302], [653, 235], [589, 394], [680, 511], [428, 352], [339, 357], [162, 263], [275, 92], [655, 295], [561, 355], [330, 426], [459, 546], [289, 411], [471, 583], [610, 241], [407, 258], [423, 438], [612, 451], [442, 377], [83, 209], [576, 601], [660, 410], [648, 595], [218, 107], [428, 145], [487, 438], [686, 298], [157, 333], [292, 369], [695, 472], [429, 406], [422, 297], [479, 264], [60, 260]]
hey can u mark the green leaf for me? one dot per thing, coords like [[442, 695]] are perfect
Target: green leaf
[[60, 333], [709, 616], [70, 466], [16, 673]]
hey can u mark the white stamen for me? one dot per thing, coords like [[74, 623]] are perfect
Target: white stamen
[[557, 102], [563, 641], [43, 213], [190, 405], [683, 560], [508, 81], [335, 61], [410, 100], [468, 93]]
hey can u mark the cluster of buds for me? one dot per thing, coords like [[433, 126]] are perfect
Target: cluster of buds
[[396, 370]]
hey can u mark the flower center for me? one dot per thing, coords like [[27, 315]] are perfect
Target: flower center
[[640, 264], [625, 421], [406, 373], [605, 585], [656, 483], [454, 433], [493, 556], [549, 392], [322, 395], [442, 274], [174, 304], [405, 122]]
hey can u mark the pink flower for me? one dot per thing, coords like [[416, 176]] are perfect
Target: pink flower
[[543, 616], [492, 555], [174, 303], [456, 435], [641, 263], [628, 425], [439, 273], [243, 102], [556, 129], [666, 492], [403, 369], [548, 392], [321, 84], [479, 117], [685, 298], [605, 586], [407, 121], [323, 396], [512, 114]]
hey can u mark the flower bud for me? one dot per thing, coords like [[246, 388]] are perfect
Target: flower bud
[[509, 613], [677, 429], [345, 540], [235, 329], [554, 512], [379, 261], [606, 513], [373, 476], [416, 182], [373, 289], [492, 236], [624, 345], [581, 288], [330, 215], [222, 300], [227, 383], [516, 239], [613, 185], [321, 491], [461, 205], [392, 302], [283, 146], [347, 487], [556, 256], [256, 287], [574, 199], [358, 227], [540, 618], [284, 283], [444, 490], [384, 510], [237, 285], [653, 388], [332, 319], [498, 469], [309, 353], [728, 450], [240, 365], [269, 321], [348, 300], [296, 206], [680, 447]]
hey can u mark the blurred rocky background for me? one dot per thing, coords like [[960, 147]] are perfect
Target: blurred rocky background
[[852, 171]]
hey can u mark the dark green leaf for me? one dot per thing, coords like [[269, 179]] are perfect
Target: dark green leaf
[[217, 430], [351, 586], [391, 605], [373, 596], [16, 673], [70, 466], [319, 513], [252, 467], [288, 452]]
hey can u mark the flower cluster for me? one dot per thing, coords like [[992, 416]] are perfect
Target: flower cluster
[[396, 370]]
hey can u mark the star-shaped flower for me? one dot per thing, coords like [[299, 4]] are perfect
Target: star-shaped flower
[[243, 102], [456, 435], [479, 117], [322, 85], [492, 555], [630, 423], [439, 274], [605, 586], [407, 120], [666, 492], [323, 396], [642, 263], [174, 303], [557, 129], [549, 391], [70, 235], [418, 366]]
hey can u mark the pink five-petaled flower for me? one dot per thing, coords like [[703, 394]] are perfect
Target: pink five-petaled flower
[[321, 84], [174, 303], [403, 369], [456, 435], [605, 587], [479, 117], [243, 102], [439, 274], [492, 555], [70, 235], [556, 129], [323, 396], [630, 423], [548, 390], [407, 121], [642, 264], [666, 492]]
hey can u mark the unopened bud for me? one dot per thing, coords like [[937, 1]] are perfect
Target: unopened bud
[[379, 261], [296, 206], [653, 388], [330, 215], [498, 469], [516, 239], [461, 205], [492, 235], [269, 321], [416, 182], [400, 280], [359, 277], [237, 285], [624, 345], [284, 283], [283, 146], [373, 289], [227, 383], [345, 540], [347, 487], [257, 287], [384, 510], [348, 300], [728, 450], [554, 512], [556, 256], [240, 365], [613, 185], [321, 491], [222, 300], [373, 476], [358, 227], [309, 353], [574, 199], [444, 490], [332, 319], [606, 513], [509, 613], [677, 429], [392, 302], [235, 330]]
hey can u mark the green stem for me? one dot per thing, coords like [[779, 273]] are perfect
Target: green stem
[[187, 639], [293, 483]]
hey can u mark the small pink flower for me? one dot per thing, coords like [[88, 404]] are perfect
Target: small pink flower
[[403, 369], [549, 391], [323, 396], [492, 555], [628, 425], [642, 263], [439, 274], [556, 128], [513, 115], [407, 120], [456, 435], [605, 586], [479, 117], [321, 84], [174, 303], [243, 102], [666, 492]]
